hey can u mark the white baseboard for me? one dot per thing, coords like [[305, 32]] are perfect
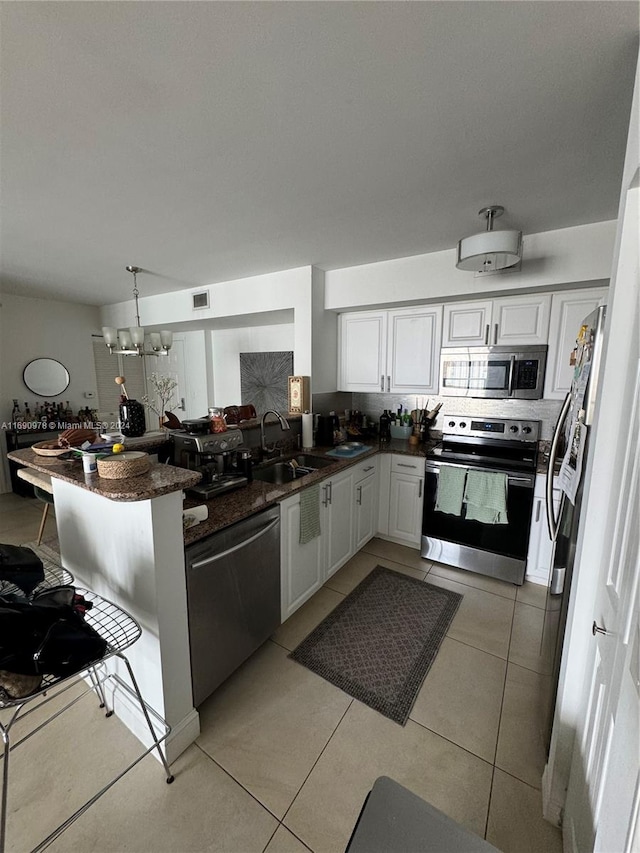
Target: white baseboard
[[126, 707], [551, 811]]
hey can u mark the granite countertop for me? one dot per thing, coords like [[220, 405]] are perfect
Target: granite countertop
[[234, 506], [160, 480]]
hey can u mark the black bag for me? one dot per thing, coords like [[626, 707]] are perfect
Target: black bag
[[21, 566], [47, 635]]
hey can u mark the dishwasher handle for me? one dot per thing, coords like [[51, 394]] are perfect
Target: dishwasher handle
[[199, 564]]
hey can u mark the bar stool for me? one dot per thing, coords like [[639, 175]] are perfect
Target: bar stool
[[43, 490], [119, 630]]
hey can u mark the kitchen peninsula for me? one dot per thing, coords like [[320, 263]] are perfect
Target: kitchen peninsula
[[124, 540]]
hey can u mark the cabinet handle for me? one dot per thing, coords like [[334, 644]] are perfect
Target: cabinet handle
[[382, 382], [325, 500], [370, 468], [388, 383], [596, 629], [486, 336], [495, 334], [359, 498], [420, 489], [538, 511], [330, 492], [404, 465]]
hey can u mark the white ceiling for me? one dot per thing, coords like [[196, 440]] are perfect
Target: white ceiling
[[207, 141]]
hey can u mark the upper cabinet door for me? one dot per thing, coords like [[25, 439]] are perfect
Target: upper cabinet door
[[568, 310], [413, 350], [520, 320], [363, 351], [466, 324]]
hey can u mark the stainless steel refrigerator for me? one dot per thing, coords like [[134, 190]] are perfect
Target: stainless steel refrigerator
[[568, 460]]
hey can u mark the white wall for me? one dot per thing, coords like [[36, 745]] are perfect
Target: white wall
[[325, 339], [227, 344], [43, 328], [569, 255]]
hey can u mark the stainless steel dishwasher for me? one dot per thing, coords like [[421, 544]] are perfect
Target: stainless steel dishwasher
[[233, 596]]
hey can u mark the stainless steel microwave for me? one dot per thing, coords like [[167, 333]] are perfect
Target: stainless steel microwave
[[493, 372]]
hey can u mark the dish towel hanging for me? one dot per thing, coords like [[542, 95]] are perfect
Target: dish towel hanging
[[450, 490], [309, 513], [485, 496]]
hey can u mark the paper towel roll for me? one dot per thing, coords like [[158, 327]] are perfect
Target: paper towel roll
[[307, 431], [195, 515]]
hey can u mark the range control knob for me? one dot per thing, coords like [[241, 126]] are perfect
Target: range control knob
[[463, 424], [452, 424], [223, 445], [526, 430], [513, 428]]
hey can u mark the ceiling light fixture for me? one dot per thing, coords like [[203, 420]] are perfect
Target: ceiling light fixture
[[131, 341], [490, 250]]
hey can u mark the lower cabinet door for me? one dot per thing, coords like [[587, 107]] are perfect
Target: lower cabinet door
[[339, 517], [301, 566], [365, 511], [405, 508]]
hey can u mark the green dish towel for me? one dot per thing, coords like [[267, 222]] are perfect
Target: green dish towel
[[486, 497], [450, 490], [309, 513]]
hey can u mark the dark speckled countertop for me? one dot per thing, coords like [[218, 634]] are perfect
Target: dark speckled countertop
[[234, 506]]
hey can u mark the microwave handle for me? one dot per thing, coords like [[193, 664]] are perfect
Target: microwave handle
[[512, 374]]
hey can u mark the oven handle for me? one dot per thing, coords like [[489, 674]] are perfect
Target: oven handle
[[434, 467]]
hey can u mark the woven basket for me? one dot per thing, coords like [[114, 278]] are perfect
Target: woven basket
[[131, 463]]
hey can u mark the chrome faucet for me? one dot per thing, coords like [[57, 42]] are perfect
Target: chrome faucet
[[284, 424]]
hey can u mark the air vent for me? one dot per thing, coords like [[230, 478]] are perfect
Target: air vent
[[200, 300]]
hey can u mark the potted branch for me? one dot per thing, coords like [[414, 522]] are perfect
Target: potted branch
[[163, 387]]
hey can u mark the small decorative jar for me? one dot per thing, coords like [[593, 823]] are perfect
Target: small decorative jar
[[132, 420], [217, 421]]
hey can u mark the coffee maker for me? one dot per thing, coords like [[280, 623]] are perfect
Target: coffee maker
[[214, 455]]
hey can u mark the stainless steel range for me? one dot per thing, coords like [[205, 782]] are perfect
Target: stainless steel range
[[477, 522], [214, 455]]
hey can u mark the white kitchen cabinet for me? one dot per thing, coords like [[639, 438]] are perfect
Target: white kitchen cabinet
[[405, 499], [362, 357], [302, 566], [540, 553], [365, 489], [337, 500], [506, 321], [395, 351], [568, 310]]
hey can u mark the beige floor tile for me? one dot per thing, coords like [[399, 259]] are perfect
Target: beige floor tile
[[203, 810], [10, 500], [534, 594], [297, 627], [522, 737], [28, 531], [483, 620], [462, 696], [533, 638], [349, 576], [13, 518], [497, 587], [268, 724], [397, 553], [367, 745], [285, 842], [516, 824]]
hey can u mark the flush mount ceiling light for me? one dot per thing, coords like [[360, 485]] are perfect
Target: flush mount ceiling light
[[490, 250], [131, 341]]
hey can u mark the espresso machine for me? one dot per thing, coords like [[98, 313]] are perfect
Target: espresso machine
[[217, 457]]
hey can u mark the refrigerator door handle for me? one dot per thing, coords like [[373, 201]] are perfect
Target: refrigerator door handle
[[553, 522]]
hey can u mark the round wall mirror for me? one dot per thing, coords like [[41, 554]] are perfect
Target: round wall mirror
[[46, 377]]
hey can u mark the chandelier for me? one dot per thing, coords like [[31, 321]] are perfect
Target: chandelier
[[131, 341]]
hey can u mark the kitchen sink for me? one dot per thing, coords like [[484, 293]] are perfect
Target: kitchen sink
[[283, 472]]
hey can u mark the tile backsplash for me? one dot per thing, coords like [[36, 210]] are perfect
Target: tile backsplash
[[546, 411]]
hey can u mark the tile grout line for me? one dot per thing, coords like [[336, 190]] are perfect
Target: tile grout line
[[448, 740], [330, 738]]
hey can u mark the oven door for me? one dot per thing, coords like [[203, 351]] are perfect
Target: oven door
[[498, 550]]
